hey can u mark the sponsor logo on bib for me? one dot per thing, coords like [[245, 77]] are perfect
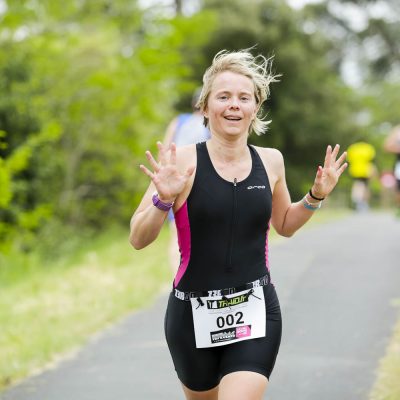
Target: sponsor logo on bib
[[226, 335], [224, 302]]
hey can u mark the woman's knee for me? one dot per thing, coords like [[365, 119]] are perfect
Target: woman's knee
[[242, 385]]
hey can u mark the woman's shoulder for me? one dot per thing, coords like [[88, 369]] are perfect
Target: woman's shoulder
[[273, 163], [270, 155]]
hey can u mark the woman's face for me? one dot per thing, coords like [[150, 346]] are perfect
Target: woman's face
[[231, 105]]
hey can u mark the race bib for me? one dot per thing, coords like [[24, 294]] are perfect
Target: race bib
[[220, 320]]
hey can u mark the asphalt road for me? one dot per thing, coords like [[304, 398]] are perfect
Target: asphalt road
[[337, 285]]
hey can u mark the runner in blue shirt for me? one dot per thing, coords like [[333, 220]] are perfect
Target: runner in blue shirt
[[186, 128]]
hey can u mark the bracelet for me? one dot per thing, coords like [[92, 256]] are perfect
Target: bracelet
[[160, 204], [314, 197], [311, 206]]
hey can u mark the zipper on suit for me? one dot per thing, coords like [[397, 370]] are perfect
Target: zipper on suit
[[229, 266]]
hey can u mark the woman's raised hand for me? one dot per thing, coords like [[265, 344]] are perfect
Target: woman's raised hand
[[166, 177], [327, 176]]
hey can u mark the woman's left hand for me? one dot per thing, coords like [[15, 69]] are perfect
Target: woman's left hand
[[327, 176]]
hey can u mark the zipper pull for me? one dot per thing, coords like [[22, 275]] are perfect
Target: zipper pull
[[234, 182]]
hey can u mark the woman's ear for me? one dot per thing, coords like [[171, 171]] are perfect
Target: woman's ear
[[205, 112]]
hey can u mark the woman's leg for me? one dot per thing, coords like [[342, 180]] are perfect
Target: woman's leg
[[197, 369], [242, 385]]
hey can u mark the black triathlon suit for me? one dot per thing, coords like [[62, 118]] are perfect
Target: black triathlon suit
[[223, 240]]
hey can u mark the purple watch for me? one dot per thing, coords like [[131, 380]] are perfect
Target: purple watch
[[160, 204]]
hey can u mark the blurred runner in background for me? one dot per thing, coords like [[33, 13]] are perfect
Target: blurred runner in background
[[361, 168], [186, 128], [392, 145]]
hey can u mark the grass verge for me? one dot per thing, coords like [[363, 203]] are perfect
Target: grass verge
[[387, 384], [48, 309], [52, 309]]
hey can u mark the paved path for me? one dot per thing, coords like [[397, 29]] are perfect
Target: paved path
[[337, 284]]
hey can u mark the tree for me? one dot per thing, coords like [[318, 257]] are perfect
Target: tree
[[366, 31], [371, 47], [106, 76]]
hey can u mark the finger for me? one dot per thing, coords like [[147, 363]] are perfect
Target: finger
[[146, 171], [341, 169], [152, 161], [190, 171], [173, 153], [327, 161], [318, 176], [161, 153], [340, 160], [334, 154], [320, 171]]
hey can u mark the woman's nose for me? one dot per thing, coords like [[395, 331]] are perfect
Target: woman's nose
[[234, 103]]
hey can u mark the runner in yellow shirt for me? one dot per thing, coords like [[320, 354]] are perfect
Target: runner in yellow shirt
[[360, 156]]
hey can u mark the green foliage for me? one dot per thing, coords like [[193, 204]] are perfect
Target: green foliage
[[90, 86], [5, 184], [16, 220]]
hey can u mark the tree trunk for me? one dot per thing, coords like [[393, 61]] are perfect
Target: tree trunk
[[178, 7]]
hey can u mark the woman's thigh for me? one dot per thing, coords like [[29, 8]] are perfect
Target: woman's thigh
[[203, 395], [197, 369], [256, 355]]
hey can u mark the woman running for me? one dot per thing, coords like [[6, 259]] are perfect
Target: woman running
[[223, 320]]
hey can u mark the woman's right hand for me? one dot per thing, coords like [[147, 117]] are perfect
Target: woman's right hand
[[166, 177]]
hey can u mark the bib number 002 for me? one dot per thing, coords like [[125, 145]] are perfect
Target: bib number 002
[[230, 320], [222, 320]]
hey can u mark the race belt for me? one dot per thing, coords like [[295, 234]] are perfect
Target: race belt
[[186, 296]]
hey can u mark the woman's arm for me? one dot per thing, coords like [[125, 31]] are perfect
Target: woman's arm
[[288, 217], [146, 222], [169, 183]]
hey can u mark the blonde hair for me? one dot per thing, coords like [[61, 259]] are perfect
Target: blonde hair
[[257, 68]]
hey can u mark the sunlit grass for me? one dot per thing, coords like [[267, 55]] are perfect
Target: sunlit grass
[[48, 309], [387, 384], [53, 309]]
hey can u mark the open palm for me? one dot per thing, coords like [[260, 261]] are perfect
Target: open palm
[[327, 176], [166, 177]]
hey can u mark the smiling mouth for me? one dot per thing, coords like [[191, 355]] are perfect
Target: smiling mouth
[[233, 118]]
